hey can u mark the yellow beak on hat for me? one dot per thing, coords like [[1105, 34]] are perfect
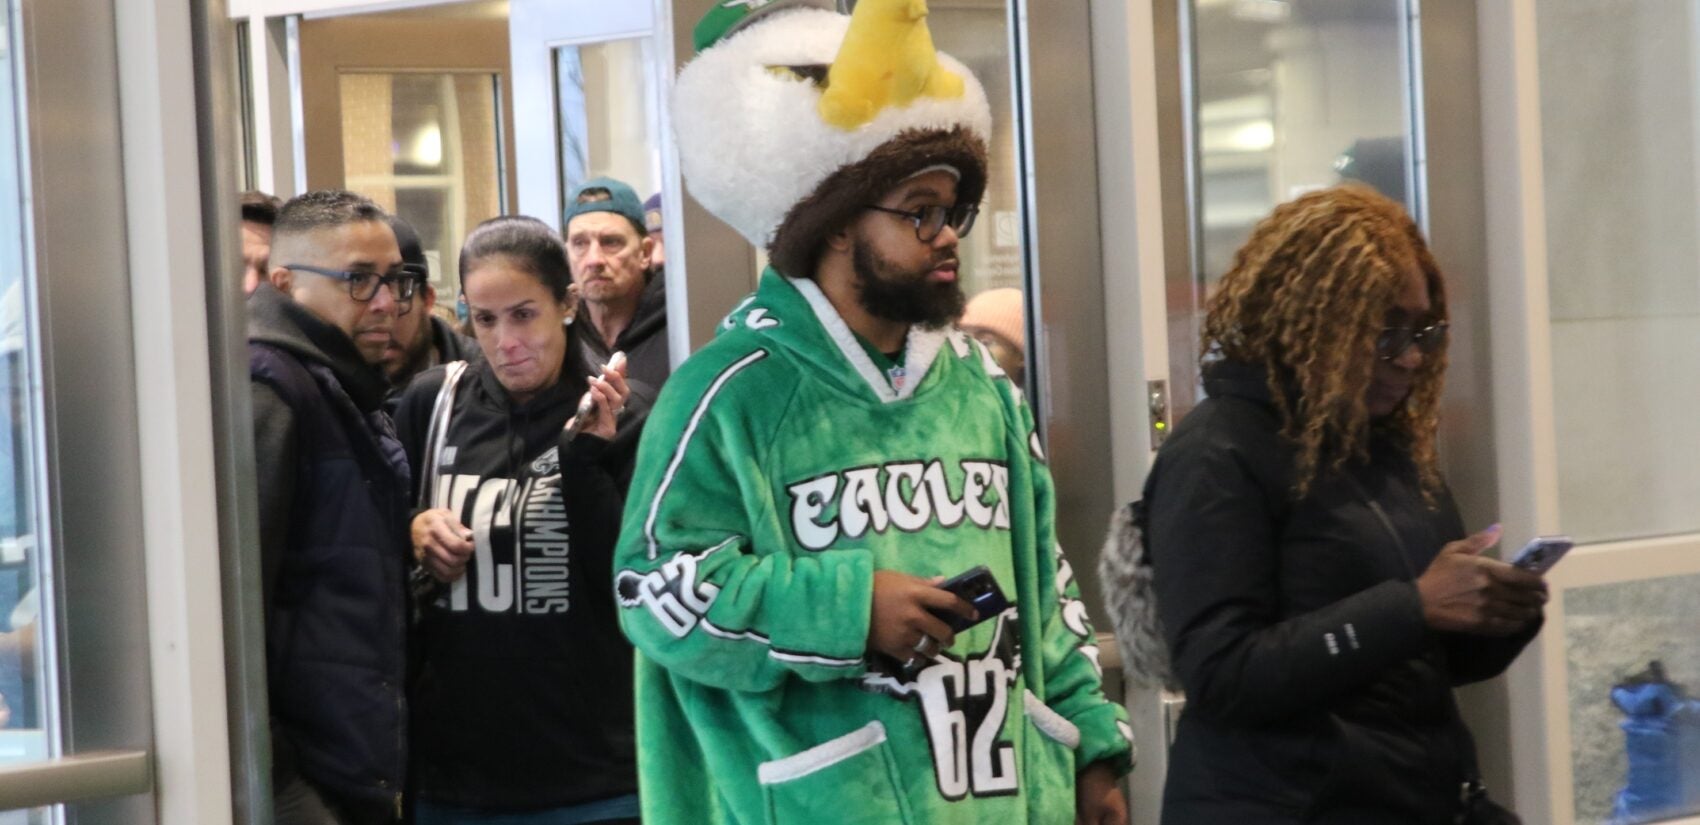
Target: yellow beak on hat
[[887, 59]]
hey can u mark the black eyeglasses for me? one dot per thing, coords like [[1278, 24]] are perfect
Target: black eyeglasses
[[363, 284], [1393, 341], [929, 221]]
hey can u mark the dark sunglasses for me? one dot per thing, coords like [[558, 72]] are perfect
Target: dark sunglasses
[[1393, 341], [929, 221]]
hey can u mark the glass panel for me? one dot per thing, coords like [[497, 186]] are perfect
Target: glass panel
[[1626, 724], [1618, 136], [27, 712], [607, 105], [1287, 96], [245, 104], [29, 816], [977, 34], [427, 147]]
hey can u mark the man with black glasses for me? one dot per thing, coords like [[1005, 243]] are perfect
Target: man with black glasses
[[333, 488]]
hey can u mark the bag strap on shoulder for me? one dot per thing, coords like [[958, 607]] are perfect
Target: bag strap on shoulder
[[438, 432]]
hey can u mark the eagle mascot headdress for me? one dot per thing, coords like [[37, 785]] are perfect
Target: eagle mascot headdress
[[795, 115]]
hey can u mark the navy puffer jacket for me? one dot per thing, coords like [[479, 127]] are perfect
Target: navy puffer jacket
[[334, 507]]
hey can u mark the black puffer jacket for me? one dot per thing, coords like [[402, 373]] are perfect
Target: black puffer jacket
[[1315, 690], [333, 490]]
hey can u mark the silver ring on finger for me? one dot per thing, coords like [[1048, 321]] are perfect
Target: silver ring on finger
[[928, 647]]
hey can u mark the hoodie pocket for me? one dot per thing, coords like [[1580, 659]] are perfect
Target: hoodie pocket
[[1050, 744], [849, 779]]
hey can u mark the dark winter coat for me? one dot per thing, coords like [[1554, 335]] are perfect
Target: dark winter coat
[[451, 345], [1315, 690], [333, 544], [447, 346], [523, 696], [644, 341]]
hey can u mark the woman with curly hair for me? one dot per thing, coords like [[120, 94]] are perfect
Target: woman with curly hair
[[1317, 591]]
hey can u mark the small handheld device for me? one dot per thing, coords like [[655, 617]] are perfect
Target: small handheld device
[[1542, 552], [979, 588], [587, 404]]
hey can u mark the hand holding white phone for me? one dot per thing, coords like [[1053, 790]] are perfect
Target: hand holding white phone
[[1541, 553], [587, 405]]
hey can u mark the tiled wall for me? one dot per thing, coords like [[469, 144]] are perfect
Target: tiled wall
[[476, 101], [367, 138]]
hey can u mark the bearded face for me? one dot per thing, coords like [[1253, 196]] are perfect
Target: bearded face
[[899, 276], [905, 294]]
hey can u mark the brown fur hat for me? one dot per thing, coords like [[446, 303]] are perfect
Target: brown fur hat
[[837, 200]]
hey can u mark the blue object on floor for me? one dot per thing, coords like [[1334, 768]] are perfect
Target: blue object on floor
[[1661, 737]]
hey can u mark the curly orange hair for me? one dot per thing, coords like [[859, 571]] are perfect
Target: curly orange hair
[[1306, 298]]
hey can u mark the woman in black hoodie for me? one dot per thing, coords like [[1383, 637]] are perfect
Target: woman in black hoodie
[[522, 699], [1316, 588]]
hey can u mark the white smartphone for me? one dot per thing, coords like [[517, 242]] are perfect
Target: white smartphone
[[1542, 552]]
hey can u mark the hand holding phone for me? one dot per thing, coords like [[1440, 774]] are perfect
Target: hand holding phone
[[1541, 553], [1462, 591], [586, 412], [978, 587]]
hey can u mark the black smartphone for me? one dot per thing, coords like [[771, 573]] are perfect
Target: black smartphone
[[979, 588]]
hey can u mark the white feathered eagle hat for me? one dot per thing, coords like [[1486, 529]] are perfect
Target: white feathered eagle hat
[[793, 116]]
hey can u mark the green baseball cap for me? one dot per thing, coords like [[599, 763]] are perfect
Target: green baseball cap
[[729, 16], [620, 200]]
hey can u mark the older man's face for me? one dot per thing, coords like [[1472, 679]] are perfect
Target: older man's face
[[608, 257]]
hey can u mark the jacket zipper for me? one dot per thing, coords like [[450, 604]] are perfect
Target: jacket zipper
[[1381, 515]]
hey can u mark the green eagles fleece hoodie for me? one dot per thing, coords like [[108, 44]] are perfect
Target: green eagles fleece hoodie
[[779, 470]]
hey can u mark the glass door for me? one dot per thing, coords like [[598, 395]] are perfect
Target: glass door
[[587, 99], [607, 103], [426, 146], [1283, 98], [1614, 309]]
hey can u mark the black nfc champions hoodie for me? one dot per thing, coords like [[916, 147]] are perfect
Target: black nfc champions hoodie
[[523, 693]]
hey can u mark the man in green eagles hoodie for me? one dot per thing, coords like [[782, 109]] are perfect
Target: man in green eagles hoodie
[[809, 476]]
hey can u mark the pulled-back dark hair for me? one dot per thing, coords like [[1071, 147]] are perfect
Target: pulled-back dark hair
[[259, 207], [527, 243], [323, 209]]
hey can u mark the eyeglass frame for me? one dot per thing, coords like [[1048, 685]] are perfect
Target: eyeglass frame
[[918, 217], [412, 275], [1438, 332]]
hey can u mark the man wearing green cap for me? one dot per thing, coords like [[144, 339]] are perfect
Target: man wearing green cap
[[811, 477], [621, 307]]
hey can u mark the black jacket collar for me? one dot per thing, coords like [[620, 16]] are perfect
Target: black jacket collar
[[1238, 379]]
